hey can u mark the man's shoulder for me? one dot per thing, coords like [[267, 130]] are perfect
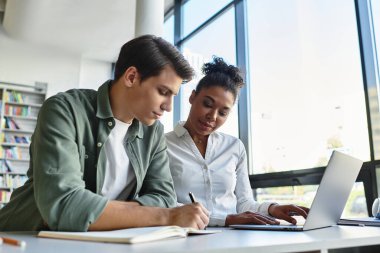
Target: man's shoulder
[[76, 94], [74, 98]]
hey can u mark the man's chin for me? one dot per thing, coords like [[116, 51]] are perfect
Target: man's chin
[[148, 122]]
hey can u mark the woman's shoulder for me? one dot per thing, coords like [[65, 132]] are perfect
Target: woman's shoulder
[[227, 139], [176, 133], [170, 135]]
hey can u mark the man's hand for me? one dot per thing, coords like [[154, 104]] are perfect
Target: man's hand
[[250, 218], [192, 215], [285, 212]]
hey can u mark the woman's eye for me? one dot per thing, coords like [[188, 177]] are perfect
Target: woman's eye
[[207, 104], [223, 114]]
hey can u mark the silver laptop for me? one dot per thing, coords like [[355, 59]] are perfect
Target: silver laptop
[[330, 199]]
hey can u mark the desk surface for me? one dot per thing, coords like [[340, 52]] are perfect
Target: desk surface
[[228, 241]]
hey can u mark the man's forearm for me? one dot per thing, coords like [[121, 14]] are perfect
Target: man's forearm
[[120, 214]]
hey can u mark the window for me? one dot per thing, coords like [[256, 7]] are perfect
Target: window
[[306, 84], [167, 118], [196, 12], [373, 90], [306, 91], [169, 29], [200, 48]]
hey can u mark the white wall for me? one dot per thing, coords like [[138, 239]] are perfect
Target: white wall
[[94, 73], [26, 63]]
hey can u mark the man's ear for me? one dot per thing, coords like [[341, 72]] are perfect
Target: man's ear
[[192, 97], [131, 76]]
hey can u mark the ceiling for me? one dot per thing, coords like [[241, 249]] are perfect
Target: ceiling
[[96, 29]]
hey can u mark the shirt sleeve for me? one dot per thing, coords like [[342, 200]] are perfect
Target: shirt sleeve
[[217, 221], [243, 190], [59, 189], [157, 187]]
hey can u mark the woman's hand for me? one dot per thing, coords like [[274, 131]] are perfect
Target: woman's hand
[[285, 212], [249, 218]]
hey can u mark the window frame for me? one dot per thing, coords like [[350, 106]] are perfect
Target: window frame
[[307, 176]]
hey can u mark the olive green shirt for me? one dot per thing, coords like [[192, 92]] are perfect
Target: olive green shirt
[[67, 165]]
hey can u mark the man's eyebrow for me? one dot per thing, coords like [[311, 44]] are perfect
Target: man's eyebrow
[[169, 90]]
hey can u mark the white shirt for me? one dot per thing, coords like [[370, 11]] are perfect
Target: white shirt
[[219, 181], [118, 173]]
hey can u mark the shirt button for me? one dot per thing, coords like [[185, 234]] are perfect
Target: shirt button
[[85, 156], [99, 144], [110, 123]]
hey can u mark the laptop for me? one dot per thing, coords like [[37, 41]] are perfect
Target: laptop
[[330, 199]]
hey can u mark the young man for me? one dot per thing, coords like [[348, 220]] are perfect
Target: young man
[[98, 158]]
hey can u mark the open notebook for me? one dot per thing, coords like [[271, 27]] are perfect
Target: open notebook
[[130, 235]]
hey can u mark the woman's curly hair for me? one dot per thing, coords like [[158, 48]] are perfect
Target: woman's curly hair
[[219, 73]]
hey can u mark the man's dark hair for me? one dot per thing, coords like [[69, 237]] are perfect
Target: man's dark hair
[[219, 73], [150, 54]]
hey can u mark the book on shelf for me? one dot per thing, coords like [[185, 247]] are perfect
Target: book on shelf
[[9, 123], [14, 96], [17, 110], [12, 181], [365, 221], [8, 165], [8, 138], [14, 153], [130, 235], [4, 167], [4, 196]]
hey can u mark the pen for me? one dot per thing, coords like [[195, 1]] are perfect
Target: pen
[[12, 241], [191, 197]]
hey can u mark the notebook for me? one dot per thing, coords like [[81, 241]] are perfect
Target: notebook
[[330, 199], [130, 235], [366, 221]]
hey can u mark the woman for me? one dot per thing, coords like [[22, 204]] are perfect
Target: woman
[[213, 165]]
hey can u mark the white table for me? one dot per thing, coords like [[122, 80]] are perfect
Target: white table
[[236, 241]]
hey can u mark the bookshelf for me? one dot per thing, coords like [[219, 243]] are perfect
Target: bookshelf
[[19, 107]]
